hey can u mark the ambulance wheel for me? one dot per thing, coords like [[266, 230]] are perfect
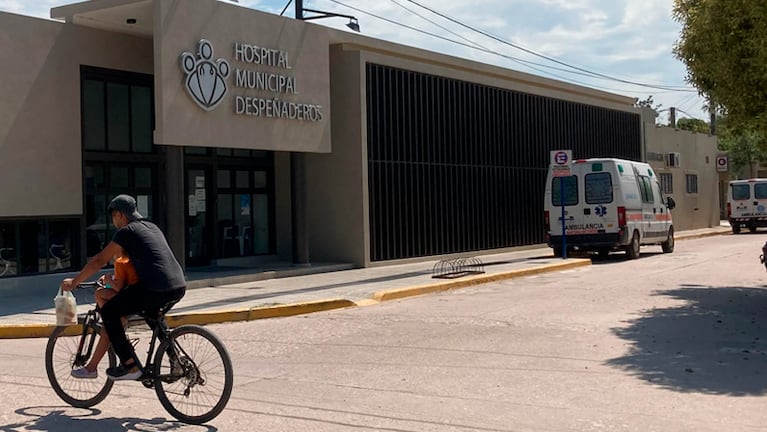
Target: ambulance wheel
[[632, 249], [752, 229], [557, 252], [736, 229], [603, 252], [668, 245]]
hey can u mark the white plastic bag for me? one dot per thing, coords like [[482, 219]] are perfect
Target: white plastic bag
[[66, 308]]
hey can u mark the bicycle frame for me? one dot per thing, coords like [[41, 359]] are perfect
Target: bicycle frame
[[92, 320]]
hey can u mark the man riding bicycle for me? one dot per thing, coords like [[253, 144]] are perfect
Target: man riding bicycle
[[161, 279]]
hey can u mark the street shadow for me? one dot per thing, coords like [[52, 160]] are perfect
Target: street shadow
[[712, 342], [61, 418]]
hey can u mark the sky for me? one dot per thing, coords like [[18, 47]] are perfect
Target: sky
[[628, 43]]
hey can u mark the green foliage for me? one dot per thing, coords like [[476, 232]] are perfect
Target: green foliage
[[693, 125], [648, 103], [724, 45]]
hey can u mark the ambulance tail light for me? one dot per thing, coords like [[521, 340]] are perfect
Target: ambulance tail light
[[546, 221], [621, 217], [729, 210]]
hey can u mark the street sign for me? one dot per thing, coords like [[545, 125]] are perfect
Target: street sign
[[560, 162], [721, 163]]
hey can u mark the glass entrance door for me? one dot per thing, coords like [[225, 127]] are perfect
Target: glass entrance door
[[198, 241]]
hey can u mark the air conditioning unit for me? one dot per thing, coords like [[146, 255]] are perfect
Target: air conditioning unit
[[672, 159]]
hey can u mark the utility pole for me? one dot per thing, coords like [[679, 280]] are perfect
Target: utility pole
[[672, 117], [299, 9]]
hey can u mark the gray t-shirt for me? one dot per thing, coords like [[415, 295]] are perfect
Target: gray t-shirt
[[156, 266]]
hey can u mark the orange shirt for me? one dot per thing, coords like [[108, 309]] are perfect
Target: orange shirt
[[124, 270]]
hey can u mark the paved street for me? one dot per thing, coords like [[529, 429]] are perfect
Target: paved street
[[668, 342]]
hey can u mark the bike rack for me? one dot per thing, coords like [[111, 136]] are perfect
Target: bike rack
[[457, 267]]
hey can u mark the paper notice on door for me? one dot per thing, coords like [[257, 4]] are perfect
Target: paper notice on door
[[199, 181], [200, 194]]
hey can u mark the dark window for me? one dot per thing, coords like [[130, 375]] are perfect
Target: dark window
[[570, 186], [760, 190], [692, 183], [599, 188], [645, 188], [666, 183], [741, 192], [38, 246], [117, 111], [104, 181]]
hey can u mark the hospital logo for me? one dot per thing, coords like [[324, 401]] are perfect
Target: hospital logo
[[205, 79]]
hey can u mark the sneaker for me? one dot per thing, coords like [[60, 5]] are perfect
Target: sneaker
[[120, 373], [83, 373]]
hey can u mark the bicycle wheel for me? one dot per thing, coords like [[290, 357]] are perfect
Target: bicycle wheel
[[61, 356], [194, 383]]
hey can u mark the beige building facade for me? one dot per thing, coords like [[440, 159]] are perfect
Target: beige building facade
[[252, 138]]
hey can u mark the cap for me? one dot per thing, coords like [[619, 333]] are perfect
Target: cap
[[126, 205]]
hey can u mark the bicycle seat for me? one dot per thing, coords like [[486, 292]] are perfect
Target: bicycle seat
[[158, 314]]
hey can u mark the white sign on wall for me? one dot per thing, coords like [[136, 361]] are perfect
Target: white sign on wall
[[721, 163]]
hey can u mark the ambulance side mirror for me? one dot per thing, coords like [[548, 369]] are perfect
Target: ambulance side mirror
[[670, 203]]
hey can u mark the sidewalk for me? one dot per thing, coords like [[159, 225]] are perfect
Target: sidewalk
[[285, 291]]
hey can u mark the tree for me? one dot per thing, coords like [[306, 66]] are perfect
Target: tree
[[692, 125], [745, 147], [723, 42]]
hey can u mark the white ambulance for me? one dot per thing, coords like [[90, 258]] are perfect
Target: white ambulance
[[609, 205], [747, 204]]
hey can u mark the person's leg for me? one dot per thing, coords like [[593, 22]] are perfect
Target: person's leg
[[127, 302], [102, 296]]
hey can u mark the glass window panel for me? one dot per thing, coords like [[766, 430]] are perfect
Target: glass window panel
[[741, 192], [243, 225], [141, 119], [223, 179], [59, 246], [143, 177], [227, 235], [242, 180], [96, 224], [259, 179], [8, 264], [599, 188], [118, 127], [93, 115], [570, 185], [196, 150], [666, 183], [260, 224], [241, 153], [224, 151], [760, 190], [32, 248], [118, 177], [94, 177], [260, 154]]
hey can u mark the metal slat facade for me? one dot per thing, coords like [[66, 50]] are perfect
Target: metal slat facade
[[455, 166]]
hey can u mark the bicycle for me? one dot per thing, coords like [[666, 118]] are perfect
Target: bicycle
[[191, 371]]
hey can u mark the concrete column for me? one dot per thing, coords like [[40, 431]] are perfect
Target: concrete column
[[174, 200], [298, 209]]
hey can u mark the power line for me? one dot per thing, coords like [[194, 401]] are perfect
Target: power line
[[527, 63], [551, 59]]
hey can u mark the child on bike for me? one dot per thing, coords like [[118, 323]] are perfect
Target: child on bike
[[124, 275]]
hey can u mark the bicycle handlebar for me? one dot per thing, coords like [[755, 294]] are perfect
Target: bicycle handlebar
[[93, 284]]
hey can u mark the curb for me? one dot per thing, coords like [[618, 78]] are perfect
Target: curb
[[476, 280]]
